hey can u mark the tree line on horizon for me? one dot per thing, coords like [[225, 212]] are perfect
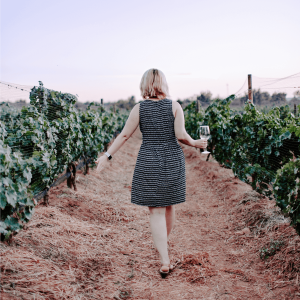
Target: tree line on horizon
[[205, 98], [265, 98], [259, 98]]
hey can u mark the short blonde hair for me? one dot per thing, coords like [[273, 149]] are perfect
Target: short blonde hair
[[154, 85]]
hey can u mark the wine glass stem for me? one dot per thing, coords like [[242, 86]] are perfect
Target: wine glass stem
[[205, 150]]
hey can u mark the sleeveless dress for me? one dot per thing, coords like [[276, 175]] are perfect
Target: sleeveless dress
[[159, 175]]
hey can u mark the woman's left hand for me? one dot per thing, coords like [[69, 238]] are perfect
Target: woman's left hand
[[102, 161]]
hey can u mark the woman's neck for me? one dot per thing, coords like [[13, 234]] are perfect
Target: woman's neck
[[155, 98]]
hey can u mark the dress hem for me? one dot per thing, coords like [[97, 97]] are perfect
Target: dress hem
[[158, 205]]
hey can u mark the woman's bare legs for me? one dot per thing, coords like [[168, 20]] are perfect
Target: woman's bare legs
[[170, 219], [159, 232]]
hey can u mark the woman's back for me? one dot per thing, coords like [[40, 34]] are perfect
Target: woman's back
[[157, 121]]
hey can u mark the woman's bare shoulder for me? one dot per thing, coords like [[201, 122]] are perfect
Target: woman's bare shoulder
[[175, 107], [136, 109], [177, 104]]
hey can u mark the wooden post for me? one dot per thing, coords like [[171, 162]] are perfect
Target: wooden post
[[295, 109], [250, 97], [250, 92], [114, 108], [46, 199], [71, 181], [198, 106], [87, 170], [254, 176], [101, 101]]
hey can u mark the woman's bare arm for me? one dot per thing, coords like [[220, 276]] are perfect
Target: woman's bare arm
[[131, 125], [180, 131], [129, 128]]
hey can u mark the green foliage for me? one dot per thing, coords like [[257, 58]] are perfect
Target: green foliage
[[126, 104], [273, 247], [258, 149], [255, 145], [287, 192], [217, 117], [38, 143], [193, 119], [15, 177]]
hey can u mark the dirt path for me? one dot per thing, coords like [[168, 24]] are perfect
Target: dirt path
[[95, 244]]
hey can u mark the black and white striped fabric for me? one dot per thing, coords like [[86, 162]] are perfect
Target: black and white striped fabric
[[159, 175]]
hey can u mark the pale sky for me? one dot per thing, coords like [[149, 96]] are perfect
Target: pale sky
[[100, 49]]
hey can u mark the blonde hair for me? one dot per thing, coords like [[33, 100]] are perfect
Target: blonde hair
[[154, 85]]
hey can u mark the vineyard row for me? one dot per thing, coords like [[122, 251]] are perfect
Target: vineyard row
[[262, 149], [40, 142]]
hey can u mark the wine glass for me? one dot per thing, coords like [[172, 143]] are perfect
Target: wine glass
[[205, 135]]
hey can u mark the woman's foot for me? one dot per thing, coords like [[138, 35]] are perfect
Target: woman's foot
[[167, 267], [165, 270]]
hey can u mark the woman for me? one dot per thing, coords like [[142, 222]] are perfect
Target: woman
[[159, 176]]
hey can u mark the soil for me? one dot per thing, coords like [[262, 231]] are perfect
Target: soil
[[228, 242]]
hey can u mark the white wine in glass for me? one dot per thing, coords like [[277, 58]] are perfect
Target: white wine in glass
[[205, 135]]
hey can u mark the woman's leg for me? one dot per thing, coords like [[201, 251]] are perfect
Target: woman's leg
[[170, 218], [159, 232]]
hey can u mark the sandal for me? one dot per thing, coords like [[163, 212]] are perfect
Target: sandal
[[164, 272]]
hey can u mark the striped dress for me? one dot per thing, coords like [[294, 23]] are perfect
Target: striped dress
[[159, 174]]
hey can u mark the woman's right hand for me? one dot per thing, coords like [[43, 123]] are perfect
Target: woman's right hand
[[201, 143], [102, 162]]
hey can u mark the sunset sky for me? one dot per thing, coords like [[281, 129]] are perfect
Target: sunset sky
[[100, 49]]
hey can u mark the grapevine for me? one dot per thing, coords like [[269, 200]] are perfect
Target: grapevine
[[39, 142], [260, 148]]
